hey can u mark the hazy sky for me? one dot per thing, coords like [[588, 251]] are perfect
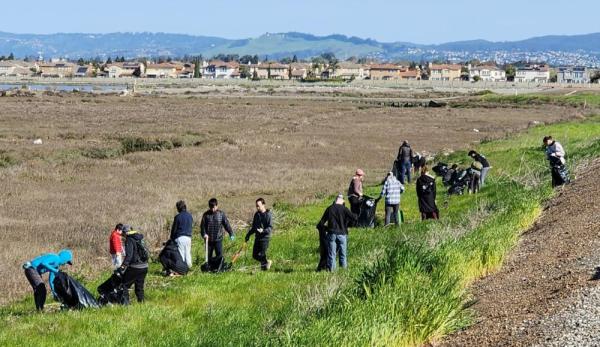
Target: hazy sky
[[432, 21]]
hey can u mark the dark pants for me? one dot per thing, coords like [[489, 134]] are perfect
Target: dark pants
[[355, 203], [405, 168], [323, 244], [215, 247], [136, 277], [38, 286], [430, 215], [391, 214], [259, 252]]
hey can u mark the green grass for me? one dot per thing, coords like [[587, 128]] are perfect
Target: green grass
[[577, 99], [404, 286]]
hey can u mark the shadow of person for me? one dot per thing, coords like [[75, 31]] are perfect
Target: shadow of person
[[596, 276]]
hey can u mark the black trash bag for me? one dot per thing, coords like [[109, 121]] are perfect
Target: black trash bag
[[440, 169], [460, 183], [216, 264], [71, 293], [112, 291], [366, 217], [171, 259]]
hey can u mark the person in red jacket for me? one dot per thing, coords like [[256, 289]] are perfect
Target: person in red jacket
[[116, 246]]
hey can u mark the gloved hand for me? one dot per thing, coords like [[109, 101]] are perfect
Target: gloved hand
[[119, 272], [232, 237], [27, 265]]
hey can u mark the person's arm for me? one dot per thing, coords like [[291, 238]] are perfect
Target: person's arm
[[323, 220], [203, 226], [350, 215], [268, 227], [559, 150], [226, 225], [174, 227], [128, 252], [418, 188], [384, 190], [253, 227], [402, 189]]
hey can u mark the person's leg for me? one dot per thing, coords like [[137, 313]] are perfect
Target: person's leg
[[139, 284], [331, 250], [218, 249], [388, 213], [395, 209], [482, 176], [263, 245], [184, 245], [342, 245], [38, 286], [407, 169], [401, 173], [322, 251], [211, 249], [256, 250]]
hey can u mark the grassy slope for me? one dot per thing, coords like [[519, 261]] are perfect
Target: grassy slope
[[578, 99], [404, 286]]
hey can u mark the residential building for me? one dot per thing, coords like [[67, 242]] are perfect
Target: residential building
[[539, 73], [126, 69], [299, 70], [385, 71], [270, 70], [84, 71], [444, 72], [161, 70], [221, 70], [347, 71], [411, 75], [185, 70], [575, 74], [486, 73], [60, 69]]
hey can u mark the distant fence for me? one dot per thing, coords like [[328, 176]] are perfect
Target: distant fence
[[459, 86]]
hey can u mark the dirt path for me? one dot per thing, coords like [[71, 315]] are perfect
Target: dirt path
[[548, 282]]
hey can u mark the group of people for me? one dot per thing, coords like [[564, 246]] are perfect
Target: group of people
[[130, 261]]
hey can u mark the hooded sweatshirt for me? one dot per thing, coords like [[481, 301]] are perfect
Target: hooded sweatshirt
[[50, 263], [426, 192], [132, 257]]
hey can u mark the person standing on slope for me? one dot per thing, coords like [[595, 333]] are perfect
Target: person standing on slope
[[211, 228], [555, 153], [426, 193], [181, 232], [335, 221], [405, 156], [262, 228], [391, 191], [355, 191], [485, 166]]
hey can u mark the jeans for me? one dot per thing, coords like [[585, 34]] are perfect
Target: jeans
[[184, 244], [405, 168], [259, 251], [484, 172], [38, 286], [215, 247], [117, 260], [137, 277], [391, 214], [339, 244]]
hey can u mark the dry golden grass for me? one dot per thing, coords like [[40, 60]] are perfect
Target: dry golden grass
[[290, 150]]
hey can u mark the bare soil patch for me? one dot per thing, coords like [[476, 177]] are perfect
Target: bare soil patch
[[555, 260]]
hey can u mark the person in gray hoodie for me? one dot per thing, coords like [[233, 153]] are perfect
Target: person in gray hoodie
[[134, 269]]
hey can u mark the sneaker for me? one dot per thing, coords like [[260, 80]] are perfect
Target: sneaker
[[269, 263]]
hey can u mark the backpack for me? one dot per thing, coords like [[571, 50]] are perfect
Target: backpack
[[142, 250]]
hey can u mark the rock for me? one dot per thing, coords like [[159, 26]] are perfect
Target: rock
[[37, 142]]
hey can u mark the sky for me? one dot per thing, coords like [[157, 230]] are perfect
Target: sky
[[426, 22]]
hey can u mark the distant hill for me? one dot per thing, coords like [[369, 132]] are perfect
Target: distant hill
[[275, 46]]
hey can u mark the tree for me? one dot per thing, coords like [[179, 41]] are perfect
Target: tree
[[412, 65], [595, 77], [329, 57], [510, 72], [80, 62], [109, 61], [294, 59], [245, 71], [286, 61], [246, 59], [334, 65], [476, 78], [11, 56], [269, 71], [255, 59], [197, 63]]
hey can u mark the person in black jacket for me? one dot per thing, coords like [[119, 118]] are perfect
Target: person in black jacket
[[426, 193], [262, 228], [181, 232], [170, 258], [336, 220], [211, 228], [134, 269], [485, 166]]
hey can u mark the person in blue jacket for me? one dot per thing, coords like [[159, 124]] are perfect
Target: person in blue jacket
[[36, 267]]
